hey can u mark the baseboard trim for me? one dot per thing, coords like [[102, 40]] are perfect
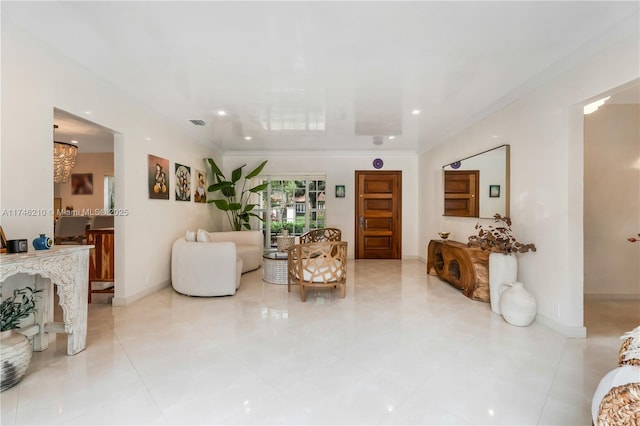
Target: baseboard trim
[[570, 332], [125, 301], [611, 296]]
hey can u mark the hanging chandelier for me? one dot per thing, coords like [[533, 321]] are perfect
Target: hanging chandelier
[[64, 158]]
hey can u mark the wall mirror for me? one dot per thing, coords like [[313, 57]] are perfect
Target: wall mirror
[[478, 186]]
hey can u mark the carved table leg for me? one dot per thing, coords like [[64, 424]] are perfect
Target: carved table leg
[[44, 305], [73, 300]]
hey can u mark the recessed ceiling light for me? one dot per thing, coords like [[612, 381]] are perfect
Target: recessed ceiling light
[[392, 137], [88, 112], [222, 113], [415, 112], [74, 141], [147, 139], [247, 138]]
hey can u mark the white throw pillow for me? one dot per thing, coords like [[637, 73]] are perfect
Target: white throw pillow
[[202, 236], [190, 236]]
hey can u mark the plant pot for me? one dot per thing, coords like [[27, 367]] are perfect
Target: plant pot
[[518, 306], [15, 353], [503, 268]]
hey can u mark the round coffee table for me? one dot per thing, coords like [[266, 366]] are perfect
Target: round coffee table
[[275, 269]]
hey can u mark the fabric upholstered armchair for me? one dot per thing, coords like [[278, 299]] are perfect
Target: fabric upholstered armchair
[[322, 234], [318, 264]]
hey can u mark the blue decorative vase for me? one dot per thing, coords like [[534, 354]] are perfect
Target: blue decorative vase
[[42, 242]]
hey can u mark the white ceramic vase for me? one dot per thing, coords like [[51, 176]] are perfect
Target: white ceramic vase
[[518, 306], [15, 352], [503, 268]]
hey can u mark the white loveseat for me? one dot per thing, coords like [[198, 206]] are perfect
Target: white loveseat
[[212, 265]]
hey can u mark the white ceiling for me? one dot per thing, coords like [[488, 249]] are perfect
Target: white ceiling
[[340, 72]]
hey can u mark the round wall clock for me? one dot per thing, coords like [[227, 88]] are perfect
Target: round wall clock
[[378, 163], [456, 165]]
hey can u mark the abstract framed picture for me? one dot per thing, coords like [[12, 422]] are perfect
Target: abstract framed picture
[[494, 191], [340, 191], [183, 182], [158, 177], [200, 191], [82, 184]]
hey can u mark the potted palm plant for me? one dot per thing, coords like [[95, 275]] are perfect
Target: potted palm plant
[[15, 349], [235, 202]]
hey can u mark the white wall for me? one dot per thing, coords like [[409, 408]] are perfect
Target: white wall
[[612, 201], [35, 80], [340, 170], [544, 129]]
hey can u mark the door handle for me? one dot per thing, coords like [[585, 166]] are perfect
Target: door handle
[[361, 222]]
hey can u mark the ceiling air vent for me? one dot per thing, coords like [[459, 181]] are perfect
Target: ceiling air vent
[[197, 122]]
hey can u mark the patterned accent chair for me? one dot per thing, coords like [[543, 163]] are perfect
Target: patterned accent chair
[[318, 264], [321, 234]]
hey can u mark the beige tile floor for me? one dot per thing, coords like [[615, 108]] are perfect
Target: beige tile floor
[[401, 348]]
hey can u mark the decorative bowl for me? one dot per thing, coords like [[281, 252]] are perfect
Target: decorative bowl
[[444, 235]]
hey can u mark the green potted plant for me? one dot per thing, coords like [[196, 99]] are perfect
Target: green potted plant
[[235, 202], [15, 349], [503, 268]]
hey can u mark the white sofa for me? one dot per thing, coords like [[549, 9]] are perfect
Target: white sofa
[[212, 266], [249, 246]]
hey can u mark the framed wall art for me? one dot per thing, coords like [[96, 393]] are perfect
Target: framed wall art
[[494, 191], [200, 191], [340, 191], [81, 183], [183, 182], [3, 241], [158, 177]]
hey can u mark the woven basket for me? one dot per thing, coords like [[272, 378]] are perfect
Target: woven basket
[[620, 406], [623, 348]]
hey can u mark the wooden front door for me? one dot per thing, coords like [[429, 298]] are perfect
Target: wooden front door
[[461, 193], [378, 215]]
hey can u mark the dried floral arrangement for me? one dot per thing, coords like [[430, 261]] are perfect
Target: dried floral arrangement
[[498, 238]]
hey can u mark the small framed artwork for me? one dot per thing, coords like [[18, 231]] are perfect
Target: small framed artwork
[[494, 191], [200, 193], [340, 192], [158, 177], [183, 183], [3, 241], [82, 184]]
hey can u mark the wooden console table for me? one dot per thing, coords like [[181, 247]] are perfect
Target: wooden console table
[[68, 268], [463, 267]]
